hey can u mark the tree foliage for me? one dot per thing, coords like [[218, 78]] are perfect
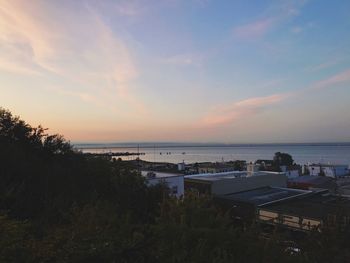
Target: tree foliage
[[282, 159]]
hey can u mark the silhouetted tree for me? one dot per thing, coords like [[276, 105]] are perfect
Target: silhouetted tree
[[282, 159]]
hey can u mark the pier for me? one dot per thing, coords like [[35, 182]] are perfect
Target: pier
[[115, 154]]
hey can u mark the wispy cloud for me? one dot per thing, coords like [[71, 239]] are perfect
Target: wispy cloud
[[254, 29], [339, 78], [297, 29], [330, 63], [236, 111], [129, 8], [13, 67], [183, 60], [275, 15], [80, 49], [227, 114]]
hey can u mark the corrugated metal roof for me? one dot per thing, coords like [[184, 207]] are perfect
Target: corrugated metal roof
[[264, 195]]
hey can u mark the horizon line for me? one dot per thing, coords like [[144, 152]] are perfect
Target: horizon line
[[196, 144]]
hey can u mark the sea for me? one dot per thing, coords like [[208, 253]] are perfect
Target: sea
[[302, 153]]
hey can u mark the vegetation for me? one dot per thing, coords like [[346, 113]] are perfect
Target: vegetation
[[283, 159], [59, 205]]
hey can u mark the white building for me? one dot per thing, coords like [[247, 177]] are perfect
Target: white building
[[252, 168], [290, 172], [175, 182], [331, 170], [181, 166]]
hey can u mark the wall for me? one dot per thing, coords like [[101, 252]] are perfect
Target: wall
[[252, 168], [292, 173], [200, 186], [341, 170], [175, 184], [295, 221], [314, 170]]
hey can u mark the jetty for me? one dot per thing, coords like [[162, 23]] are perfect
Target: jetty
[[115, 154]]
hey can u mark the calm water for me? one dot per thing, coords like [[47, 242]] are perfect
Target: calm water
[[175, 153]]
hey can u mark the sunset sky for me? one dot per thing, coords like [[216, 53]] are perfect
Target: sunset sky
[[179, 70]]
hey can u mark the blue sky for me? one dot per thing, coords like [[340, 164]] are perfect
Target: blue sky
[[179, 70]]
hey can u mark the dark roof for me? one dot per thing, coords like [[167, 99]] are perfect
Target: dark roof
[[313, 206], [264, 195], [314, 180]]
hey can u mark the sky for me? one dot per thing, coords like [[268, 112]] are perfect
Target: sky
[[229, 71]]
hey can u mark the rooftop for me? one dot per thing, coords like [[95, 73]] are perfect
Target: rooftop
[[217, 176], [225, 175], [265, 195], [159, 174], [219, 164], [315, 206], [328, 165], [311, 179]]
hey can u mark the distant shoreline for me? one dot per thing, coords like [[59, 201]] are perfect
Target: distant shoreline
[[196, 145]]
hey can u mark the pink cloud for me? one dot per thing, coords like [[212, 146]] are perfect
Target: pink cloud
[[94, 62], [324, 65], [183, 60], [274, 16], [339, 78], [261, 101], [255, 29], [227, 114]]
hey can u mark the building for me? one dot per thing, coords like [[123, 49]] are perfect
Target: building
[[307, 182], [243, 205], [307, 213], [181, 166], [294, 209], [218, 167], [331, 170], [265, 164], [174, 182], [292, 171], [252, 168], [343, 186], [231, 182]]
